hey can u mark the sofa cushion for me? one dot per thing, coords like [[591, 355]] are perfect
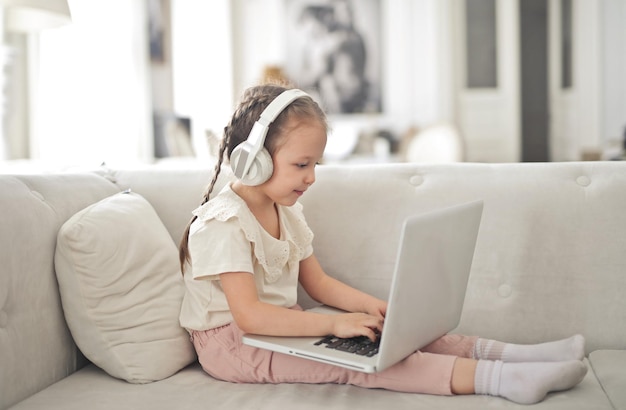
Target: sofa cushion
[[121, 289], [609, 365], [192, 388]]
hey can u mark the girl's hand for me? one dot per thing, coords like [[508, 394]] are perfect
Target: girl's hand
[[377, 308], [357, 324]]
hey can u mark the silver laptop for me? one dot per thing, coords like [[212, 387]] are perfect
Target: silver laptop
[[426, 296]]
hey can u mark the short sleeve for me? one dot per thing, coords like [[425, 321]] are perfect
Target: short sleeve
[[308, 251], [217, 247]]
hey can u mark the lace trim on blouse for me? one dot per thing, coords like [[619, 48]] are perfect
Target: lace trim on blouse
[[296, 236]]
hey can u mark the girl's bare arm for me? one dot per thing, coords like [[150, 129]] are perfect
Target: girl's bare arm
[[332, 292], [255, 316]]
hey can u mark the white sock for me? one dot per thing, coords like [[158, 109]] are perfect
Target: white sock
[[526, 383], [572, 348]]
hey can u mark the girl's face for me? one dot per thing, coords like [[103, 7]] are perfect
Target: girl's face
[[299, 150]]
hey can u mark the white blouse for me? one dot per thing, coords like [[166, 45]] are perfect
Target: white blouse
[[226, 237]]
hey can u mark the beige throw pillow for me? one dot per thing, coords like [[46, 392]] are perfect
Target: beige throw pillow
[[121, 288]]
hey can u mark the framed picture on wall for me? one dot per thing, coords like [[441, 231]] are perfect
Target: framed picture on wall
[[334, 53]]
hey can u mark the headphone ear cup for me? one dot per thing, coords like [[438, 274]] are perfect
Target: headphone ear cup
[[261, 168]]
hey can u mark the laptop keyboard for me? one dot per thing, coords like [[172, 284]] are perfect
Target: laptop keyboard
[[360, 345]]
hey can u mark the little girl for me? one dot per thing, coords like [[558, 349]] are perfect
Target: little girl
[[246, 250]]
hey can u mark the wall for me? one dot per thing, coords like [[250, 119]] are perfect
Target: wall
[[89, 86], [203, 65], [210, 74]]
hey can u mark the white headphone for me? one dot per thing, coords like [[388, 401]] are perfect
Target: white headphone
[[250, 161]]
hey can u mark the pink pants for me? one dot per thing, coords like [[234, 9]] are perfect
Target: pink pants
[[222, 355]]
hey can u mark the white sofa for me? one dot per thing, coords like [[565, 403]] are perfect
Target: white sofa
[[550, 261]]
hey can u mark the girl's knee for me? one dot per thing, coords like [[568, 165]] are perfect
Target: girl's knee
[[452, 344]]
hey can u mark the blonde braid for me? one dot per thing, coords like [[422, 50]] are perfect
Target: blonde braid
[[218, 168]]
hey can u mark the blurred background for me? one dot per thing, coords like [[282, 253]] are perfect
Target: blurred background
[[128, 82]]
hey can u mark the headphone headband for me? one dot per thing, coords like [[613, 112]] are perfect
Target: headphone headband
[[279, 103], [249, 149]]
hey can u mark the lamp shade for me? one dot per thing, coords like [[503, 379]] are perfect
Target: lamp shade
[[35, 15]]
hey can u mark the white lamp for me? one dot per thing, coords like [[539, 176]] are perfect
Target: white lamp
[[35, 15]]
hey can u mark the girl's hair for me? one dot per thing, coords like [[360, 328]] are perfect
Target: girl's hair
[[252, 104]]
